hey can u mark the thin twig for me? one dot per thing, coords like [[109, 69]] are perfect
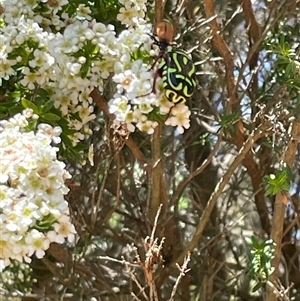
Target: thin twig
[[155, 224], [284, 8], [134, 296], [118, 192], [223, 48], [196, 172], [133, 277], [279, 208], [183, 270], [219, 189], [123, 261], [99, 198]]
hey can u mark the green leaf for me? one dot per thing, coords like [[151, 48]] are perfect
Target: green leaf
[[7, 104], [66, 140], [294, 83], [81, 146], [290, 70], [67, 131], [85, 68], [257, 286], [50, 117], [254, 242], [269, 191], [228, 121], [30, 105], [15, 95], [47, 106], [280, 180], [43, 93]]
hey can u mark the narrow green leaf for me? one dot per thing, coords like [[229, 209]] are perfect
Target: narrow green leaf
[[30, 105], [50, 117], [47, 106]]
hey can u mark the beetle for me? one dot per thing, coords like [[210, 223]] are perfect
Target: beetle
[[176, 66]]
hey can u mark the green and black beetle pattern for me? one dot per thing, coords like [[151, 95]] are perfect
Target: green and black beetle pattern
[[176, 67], [178, 73]]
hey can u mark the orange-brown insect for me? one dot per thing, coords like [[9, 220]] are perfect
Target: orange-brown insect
[[164, 32]]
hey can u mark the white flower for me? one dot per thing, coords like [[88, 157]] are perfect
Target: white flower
[[165, 105], [29, 79], [119, 106], [64, 228], [91, 154], [37, 243], [57, 61], [145, 108], [147, 126], [126, 79], [6, 65], [132, 12], [180, 118], [28, 113], [36, 190], [74, 68], [83, 11], [41, 59], [51, 132]]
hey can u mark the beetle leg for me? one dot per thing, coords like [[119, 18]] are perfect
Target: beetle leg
[[153, 90]]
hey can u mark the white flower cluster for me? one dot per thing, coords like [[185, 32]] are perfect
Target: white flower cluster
[[135, 99], [70, 56], [132, 13], [33, 212], [41, 11], [18, 275]]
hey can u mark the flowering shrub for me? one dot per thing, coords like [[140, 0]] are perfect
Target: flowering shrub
[[33, 212], [60, 55], [53, 54]]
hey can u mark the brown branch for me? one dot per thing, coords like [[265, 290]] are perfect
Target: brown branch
[[156, 171], [157, 175], [96, 206], [218, 191], [254, 34], [279, 210], [256, 176], [253, 27], [118, 192], [222, 47], [183, 270], [159, 10], [215, 196], [157, 182], [180, 7], [196, 172], [239, 138], [285, 7]]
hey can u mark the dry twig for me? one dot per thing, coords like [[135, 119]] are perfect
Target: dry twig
[[183, 270]]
